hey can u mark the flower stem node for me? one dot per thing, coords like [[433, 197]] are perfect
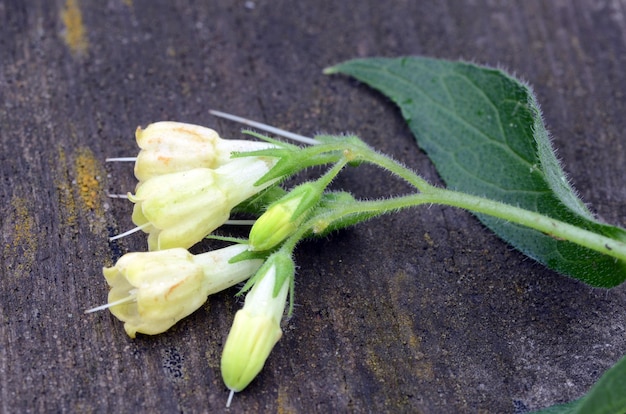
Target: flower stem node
[[151, 291], [168, 147], [256, 328], [180, 209], [283, 217]]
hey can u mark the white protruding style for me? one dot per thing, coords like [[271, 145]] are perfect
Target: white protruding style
[[129, 232], [131, 297], [265, 127], [121, 159], [125, 196], [230, 398]]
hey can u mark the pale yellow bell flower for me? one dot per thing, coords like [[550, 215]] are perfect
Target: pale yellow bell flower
[[151, 291], [180, 209], [168, 147]]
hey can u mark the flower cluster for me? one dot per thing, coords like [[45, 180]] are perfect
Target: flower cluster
[[189, 181]]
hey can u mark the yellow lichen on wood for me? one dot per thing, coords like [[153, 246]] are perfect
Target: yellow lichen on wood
[[20, 238], [283, 401], [23, 225], [403, 326], [88, 173], [75, 32]]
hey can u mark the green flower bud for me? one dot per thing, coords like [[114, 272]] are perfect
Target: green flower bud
[[256, 328], [283, 217], [151, 291]]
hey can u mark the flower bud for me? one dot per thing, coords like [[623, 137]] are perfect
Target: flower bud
[[283, 217], [180, 209], [256, 328], [168, 147], [151, 291]]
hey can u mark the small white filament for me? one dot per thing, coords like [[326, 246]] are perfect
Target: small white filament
[[121, 159], [265, 127], [117, 195], [110, 305], [230, 398], [126, 233], [240, 222]]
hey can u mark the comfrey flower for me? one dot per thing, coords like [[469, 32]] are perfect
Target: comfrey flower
[[180, 209], [151, 291], [256, 327], [168, 147]]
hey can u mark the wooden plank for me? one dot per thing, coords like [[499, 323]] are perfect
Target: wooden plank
[[423, 311]]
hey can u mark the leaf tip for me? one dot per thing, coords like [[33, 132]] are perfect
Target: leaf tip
[[331, 70]]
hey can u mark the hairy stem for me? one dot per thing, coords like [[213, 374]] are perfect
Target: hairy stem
[[429, 194], [547, 225]]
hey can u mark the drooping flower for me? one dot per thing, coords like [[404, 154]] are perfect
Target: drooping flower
[[168, 147], [180, 209], [151, 291], [256, 328]]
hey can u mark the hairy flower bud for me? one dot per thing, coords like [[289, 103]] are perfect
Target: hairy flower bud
[[256, 328], [151, 291], [283, 217], [168, 147]]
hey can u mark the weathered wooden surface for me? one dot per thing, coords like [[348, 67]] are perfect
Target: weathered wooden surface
[[422, 311]]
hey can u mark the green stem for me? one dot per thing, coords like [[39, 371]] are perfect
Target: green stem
[[370, 155], [433, 195], [430, 194], [547, 225], [330, 175]]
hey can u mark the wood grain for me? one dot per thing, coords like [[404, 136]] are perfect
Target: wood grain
[[422, 311]]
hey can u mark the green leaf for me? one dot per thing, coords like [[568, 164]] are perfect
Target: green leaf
[[483, 131], [607, 396]]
